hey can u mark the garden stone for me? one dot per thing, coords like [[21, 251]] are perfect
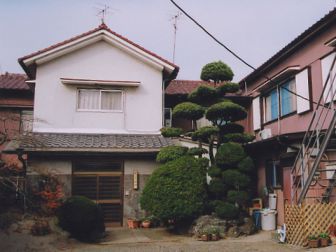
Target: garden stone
[[248, 228], [233, 232]]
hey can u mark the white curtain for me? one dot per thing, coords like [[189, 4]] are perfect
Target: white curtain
[[88, 99], [111, 100]]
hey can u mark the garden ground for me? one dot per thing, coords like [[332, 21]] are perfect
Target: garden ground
[[126, 240]]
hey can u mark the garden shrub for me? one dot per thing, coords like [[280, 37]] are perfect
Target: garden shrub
[[235, 178], [176, 191], [229, 87], [226, 210], [238, 137], [240, 197], [246, 165], [216, 71], [202, 95], [231, 128], [226, 111], [171, 132], [229, 154], [217, 187], [196, 151], [170, 153], [204, 133], [214, 171], [82, 218], [188, 110]]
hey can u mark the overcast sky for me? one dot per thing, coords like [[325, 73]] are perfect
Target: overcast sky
[[255, 29]]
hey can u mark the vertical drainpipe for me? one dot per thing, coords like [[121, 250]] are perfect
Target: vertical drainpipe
[[163, 100]]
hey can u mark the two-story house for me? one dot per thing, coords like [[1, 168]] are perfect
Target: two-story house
[[286, 91], [98, 111]]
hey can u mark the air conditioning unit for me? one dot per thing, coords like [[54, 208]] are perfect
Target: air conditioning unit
[[265, 133]]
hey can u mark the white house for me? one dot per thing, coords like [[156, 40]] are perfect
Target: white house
[[98, 111]]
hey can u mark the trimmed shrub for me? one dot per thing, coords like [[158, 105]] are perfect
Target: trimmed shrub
[[231, 128], [229, 87], [238, 137], [217, 187], [205, 133], [214, 171], [239, 197], [176, 191], [216, 71], [246, 165], [226, 210], [227, 111], [196, 151], [170, 153], [171, 132], [203, 94], [188, 110], [82, 218], [235, 179], [229, 154]]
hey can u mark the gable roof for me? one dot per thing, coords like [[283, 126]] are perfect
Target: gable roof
[[327, 21], [28, 62], [13, 81], [184, 87]]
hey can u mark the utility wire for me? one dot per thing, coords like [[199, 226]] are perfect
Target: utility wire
[[236, 55]]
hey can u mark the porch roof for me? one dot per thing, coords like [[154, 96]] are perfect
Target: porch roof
[[107, 143]]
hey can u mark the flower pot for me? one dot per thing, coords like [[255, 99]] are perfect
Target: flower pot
[[313, 243], [133, 223], [324, 242], [205, 237], [214, 237], [146, 224]]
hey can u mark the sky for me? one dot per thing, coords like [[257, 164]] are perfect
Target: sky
[[254, 29]]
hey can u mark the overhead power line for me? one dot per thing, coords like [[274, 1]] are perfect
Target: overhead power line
[[235, 54]]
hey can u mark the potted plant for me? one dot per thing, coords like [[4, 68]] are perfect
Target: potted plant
[[133, 223], [146, 222], [313, 241], [324, 239]]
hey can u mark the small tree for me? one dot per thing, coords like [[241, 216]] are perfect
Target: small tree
[[216, 72]]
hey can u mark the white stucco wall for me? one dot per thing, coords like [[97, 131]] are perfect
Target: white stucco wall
[[55, 103], [143, 167]]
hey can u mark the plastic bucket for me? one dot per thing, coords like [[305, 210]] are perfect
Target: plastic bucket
[[268, 221], [272, 201]]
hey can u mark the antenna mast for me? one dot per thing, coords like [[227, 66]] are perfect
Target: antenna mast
[[175, 18], [103, 12]]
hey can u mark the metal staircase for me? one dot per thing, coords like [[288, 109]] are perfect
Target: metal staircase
[[306, 172]]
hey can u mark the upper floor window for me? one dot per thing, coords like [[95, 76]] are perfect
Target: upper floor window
[[280, 98], [100, 100]]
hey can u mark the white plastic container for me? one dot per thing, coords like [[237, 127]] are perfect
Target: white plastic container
[[272, 201], [268, 221]]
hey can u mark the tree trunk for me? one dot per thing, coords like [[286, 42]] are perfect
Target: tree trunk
[[211, 155]]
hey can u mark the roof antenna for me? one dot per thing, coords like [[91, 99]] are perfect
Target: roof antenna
[[102, 12], [175, 18]]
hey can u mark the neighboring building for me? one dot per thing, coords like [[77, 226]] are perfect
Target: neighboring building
[[16, 107], [279, 118], [98, 111]]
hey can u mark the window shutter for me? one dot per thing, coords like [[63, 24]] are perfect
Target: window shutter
[[326, 64], [256, 113], [302, 89]]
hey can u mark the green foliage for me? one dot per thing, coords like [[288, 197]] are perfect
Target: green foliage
[[82, 218], [217, 187], [239, 197], [196, 151], [238, 137], [229, 154], [231, 128], [171, 132], [203, 95], [216, 71], [188, 110], [226, 210], [214, 171], [205, 133], [229, 87], [246, 165], [235, 179], [176, 190], [170, 153], [226, 111], [324, 236]]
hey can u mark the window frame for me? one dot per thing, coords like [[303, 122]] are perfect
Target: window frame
[[273, 174], [280, 97], [100, 101]]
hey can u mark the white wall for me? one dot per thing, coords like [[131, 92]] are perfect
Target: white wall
[[55, 103], [144, 167]]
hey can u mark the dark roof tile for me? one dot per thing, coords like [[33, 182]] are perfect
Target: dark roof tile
[[13, 81]]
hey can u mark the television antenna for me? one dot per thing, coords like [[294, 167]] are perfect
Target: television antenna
[[102, 11], [175, 18]]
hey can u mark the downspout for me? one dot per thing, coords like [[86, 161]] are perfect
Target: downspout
[[19, 152]]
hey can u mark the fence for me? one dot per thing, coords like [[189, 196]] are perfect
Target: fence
[[313, 219]]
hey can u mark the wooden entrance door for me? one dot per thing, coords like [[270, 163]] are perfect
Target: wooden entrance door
[[102, 182]]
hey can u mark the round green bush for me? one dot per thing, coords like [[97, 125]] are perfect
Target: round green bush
[[203, 94], [171, 132], [231, 128], [246, 165], [235, 179], [170, 153], [217, 187], [238, 137], [227, 111], [239, 197], [196, 151], [229, 154], [176, 190], [188, 110], [228, 87], [214, 171], [216, 71], [205, 133], [82, 218], [226, 210]]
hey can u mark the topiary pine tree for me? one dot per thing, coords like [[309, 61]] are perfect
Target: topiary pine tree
[[230, 167]]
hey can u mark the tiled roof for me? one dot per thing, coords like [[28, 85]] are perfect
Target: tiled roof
[[13, 81], [184, 86], [100, 27], [89, 142], [328, 19]]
